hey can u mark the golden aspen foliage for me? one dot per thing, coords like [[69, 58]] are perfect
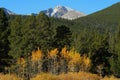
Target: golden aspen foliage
[[53, 53], [74, 56], [75, 60], [36, 61], [53, 63], [86, 62], [64, 53], [57, 62], [78, 62], [36, 55], [21, 61]]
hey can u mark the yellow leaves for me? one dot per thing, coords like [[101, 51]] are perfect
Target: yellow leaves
[[86, 63], [53, 53], [77, 61], [21, 61], [86, 60], [64, 52], [36, 55], [74, 56], [64, 60], [71, 55]]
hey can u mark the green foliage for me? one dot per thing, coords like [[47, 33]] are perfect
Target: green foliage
[[109, 14], [28, 34], [44, 36], [115, 59], [15, 37], [100, 59], [62, 37], [4, 44]]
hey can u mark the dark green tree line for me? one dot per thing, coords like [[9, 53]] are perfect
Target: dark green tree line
[[4, 43]]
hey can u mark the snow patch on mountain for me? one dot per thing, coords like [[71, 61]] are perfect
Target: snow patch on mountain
[[63, 12]]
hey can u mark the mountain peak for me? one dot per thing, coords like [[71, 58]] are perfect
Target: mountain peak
[[59, 6], [58, 11], [63, 12], [8, 11], [63, 7]]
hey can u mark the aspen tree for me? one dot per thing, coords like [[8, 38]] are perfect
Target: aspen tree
[[53, 61]]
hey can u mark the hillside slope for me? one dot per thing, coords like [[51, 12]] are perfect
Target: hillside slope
[[110, 14], [106, 18]]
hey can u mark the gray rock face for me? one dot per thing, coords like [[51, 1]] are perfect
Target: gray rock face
[[59, 11], [63, 12], [72, 15]]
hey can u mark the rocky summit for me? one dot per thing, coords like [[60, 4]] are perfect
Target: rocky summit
[[63, 12]]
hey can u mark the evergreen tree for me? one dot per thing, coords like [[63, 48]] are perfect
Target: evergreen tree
[[63, 37], [4, 44], [43, 31], [101, 57], [29, 35], [15, 37], [115, 59]]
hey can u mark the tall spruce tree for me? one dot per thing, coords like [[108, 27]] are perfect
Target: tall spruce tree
[[100, 57], [43, 31], [63, 37]]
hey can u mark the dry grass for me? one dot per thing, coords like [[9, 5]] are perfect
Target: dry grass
[[45, 76], [68, 76], [110, 78], [9, 77]]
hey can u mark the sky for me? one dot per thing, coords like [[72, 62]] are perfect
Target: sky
[[35, 6]]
